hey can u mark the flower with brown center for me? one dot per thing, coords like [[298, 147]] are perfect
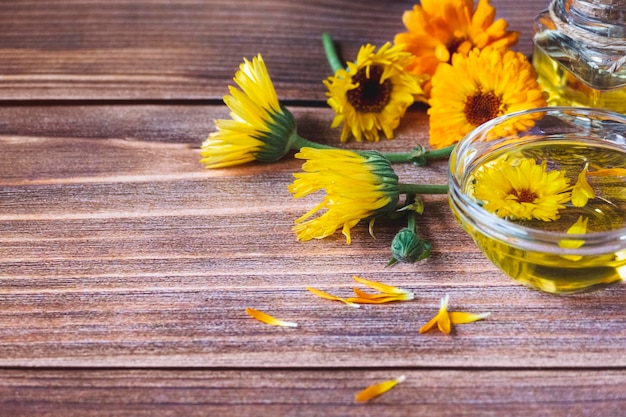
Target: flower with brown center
[[437, 29], [373, 93], [481, 86]]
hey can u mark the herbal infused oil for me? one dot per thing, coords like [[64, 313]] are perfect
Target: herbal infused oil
[[580, 53], [603, 169]]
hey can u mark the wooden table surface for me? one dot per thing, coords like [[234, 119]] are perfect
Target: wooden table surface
[[126, 266]]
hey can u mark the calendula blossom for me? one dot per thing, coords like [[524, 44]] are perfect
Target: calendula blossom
[[357, 185], [373, 93], [260, 127], [478, 87], [520, 189], [437, 29]]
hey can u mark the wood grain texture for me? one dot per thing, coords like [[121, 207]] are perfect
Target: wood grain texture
[[294, 393], [126, 267], [190, 49], [122, 251]]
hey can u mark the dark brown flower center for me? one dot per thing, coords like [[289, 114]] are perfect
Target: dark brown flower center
[[453, 46], [371, 96], [482, 107], [526, 196]]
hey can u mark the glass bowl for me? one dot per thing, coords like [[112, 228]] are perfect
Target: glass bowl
[[543, 194]]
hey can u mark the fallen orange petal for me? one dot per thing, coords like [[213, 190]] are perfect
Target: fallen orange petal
[[379, 286], [327, 296], [460, 317], [267, 319], [377, 389], [384, 300], [442, 318]]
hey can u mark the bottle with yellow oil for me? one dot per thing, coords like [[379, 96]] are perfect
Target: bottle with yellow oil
[[580, 53]]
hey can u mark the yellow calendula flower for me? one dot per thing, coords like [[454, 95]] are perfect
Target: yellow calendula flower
[[478, 87], [582, 191], [437, 29], [260, 128], [444, 319], [380, 388], [358, 186], [373, 93], [520, 189]]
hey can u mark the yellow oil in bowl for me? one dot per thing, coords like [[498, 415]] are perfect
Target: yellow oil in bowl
[[548, 253]]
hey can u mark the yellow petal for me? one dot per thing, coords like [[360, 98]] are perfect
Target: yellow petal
[[331, 297], [389, 299], [429, 325], [442, 319], [578, 228], [460, 317], [582, 191], [267, 319], [377, 389], [404, 296], [607, 172], [443, 322], [379, 286]]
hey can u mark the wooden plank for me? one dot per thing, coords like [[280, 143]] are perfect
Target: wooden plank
[[190, 49], [120, 251], [305, 393]]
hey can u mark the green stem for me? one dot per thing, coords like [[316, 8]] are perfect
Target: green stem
[[412, 157], [439, 153], [411, 220], [423, 188], [331, 53], [297, 142]]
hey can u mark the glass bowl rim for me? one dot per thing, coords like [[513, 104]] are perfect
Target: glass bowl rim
[[513, 233]]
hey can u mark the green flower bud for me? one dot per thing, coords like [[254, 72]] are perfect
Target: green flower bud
[[408, 247]]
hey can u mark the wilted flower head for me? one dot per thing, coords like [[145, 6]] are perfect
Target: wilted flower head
[[372, 94], [357, 185], [437, 29], [260, 128]]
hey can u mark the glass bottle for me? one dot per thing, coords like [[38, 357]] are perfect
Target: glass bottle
[[580, 53]]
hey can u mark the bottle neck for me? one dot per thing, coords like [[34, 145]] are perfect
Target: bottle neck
[[605, 18]]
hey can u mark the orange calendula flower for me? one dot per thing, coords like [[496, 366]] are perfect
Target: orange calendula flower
[[582, 191], [377, 389], [437, 29], [373, 93], [445, 319], [478, 87], [327, 296], [267, 319]]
